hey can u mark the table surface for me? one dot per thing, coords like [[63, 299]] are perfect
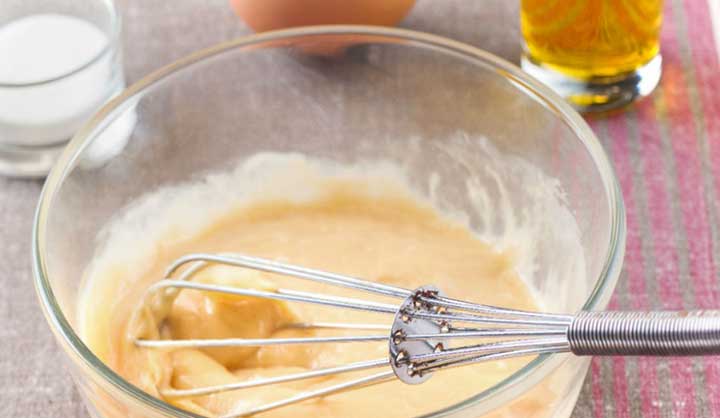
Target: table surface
[[666, 150]]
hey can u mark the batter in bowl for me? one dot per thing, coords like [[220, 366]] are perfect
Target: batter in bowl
[[353, 225]]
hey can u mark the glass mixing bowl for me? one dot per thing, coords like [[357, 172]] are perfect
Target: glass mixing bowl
[[339, 93]]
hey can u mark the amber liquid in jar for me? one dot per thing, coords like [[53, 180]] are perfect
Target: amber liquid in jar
[[591, 38]]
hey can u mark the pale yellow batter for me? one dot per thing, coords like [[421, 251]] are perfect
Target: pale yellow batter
[[390, 239]]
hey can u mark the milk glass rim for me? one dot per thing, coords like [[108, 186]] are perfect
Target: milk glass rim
[[109, 49], [497, 395]]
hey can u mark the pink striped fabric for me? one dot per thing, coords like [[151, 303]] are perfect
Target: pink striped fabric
[[666, 151]]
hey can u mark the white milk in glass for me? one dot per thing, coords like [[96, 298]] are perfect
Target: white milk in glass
[[55, 72]]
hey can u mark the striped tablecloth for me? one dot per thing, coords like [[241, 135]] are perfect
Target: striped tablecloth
[[666, 151]]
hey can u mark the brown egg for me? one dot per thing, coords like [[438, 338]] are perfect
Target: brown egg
[[262, 15]]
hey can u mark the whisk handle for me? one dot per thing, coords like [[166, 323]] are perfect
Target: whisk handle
[[682, 333]]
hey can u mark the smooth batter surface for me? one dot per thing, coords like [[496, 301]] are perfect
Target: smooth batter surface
[[385, 237]]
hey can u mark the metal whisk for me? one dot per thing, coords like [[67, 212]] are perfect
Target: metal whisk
[[424, 324]]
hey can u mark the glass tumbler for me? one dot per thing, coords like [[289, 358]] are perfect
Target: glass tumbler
[[59, 62], [598, 54]]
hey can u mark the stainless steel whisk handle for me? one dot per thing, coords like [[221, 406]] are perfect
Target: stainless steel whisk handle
[[682, 333]]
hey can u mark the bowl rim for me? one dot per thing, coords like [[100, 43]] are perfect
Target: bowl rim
[[509, 388]]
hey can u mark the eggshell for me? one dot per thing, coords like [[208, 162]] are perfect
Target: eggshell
[[262, 15]]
